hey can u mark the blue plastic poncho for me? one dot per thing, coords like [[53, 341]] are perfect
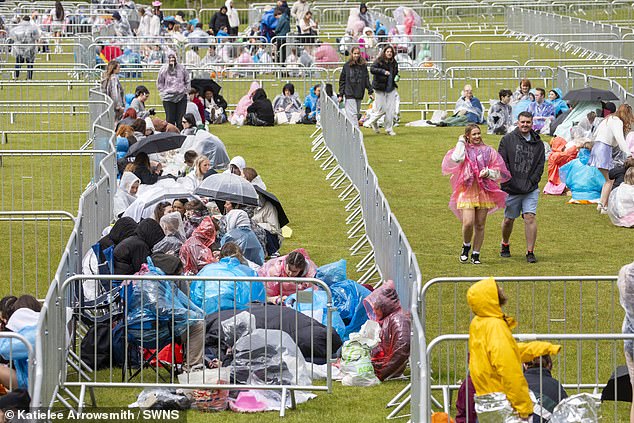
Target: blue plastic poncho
[[12, 349], [332, 272], [213, 296], [519, 107], [317, 309], [584, 181], [347, 297], [153, 304], [248, 242]]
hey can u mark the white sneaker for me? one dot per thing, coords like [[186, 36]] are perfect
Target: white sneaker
[[390, 133], [375, 127]]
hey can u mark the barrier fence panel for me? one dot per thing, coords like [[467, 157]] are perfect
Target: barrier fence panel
[[18, 347], [32, 244], [257, 345], [585, 364]]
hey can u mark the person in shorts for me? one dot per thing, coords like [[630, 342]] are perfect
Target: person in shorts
[[523, 153]]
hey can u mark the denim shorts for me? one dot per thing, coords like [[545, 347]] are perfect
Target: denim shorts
[[519, 204]]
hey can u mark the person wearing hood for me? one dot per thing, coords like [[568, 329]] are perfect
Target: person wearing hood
[[96, 257], [367, 43], [240, 113], [365, 16], [523, 153], [173, 84], [132, 252], [391, 355], [353, 81], [268, 23], [584, 181], [121, 25], [495, 361], [126, 194], [25, 36], [311, 105], [195, 252], [260, 112], [219, 20], [234, 18], [554, 98], [172, 224], [287, 106], [239, 231]]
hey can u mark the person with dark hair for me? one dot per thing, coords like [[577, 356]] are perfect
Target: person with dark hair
[[385, 71], [546, 388], [141, 95], [173, 85], [189, 124], [554, 98], [365, 16], [287, 106], [58, 17], [353, 81], [143, 170], [500, 117], [524, 156], [282, 29], [179, 205], [543, 112], [161, 210], [121, 25], [140, 129], [195, 106], [25, 36], [219, 20], [297, 264], [522, 92], [111, 86], [260, 112], [311, 105]]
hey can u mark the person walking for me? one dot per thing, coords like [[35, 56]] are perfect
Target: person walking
[[173, 85], [610, 133], [353, 82], [111, 86], [475, 169], [523, 153], [25, 36], [385, 71]]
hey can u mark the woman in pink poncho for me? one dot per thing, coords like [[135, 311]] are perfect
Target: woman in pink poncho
[[326, 56], [476, 171], [240, 113], [296, 264], [195, 253]]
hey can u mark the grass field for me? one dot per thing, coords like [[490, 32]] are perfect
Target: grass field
[[572, 240]]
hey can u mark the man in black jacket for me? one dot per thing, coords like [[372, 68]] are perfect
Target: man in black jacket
[[523, 154], [353, 82], [546, 388]]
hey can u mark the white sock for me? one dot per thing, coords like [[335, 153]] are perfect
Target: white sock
[[475, 252], [466, 244]]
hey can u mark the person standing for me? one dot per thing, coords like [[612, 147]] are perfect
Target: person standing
[[610, 134], [173, 84], [475, 170], [58, 16], [234, 18], [25, 36], [282, 29], [523, 153], [385, 71], [111, 86], [353, 82]]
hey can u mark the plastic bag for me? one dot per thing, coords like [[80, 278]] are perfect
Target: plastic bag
[[269, 357], [580, 408], [208, 399], [161, 399], [332, 272], [356, 365], [347, 297], [155, 306], [238, 326], [314, 304], [495, 408], [213, 296]]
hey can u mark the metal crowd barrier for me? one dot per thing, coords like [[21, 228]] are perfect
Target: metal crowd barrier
[[249, 370], [340, 148], [15, 339], [584, 364]]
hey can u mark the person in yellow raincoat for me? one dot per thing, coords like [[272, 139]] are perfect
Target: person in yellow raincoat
[[495, 362]]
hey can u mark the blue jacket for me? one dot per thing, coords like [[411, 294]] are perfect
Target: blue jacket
[[268, 25], [558, 104], [311, 103], [11, 349]]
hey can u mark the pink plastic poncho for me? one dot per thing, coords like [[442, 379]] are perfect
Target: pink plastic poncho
[[195, 253], [326, 53], [246, 100], [468, 187], [407, 17], [276, 268], [390, 357]]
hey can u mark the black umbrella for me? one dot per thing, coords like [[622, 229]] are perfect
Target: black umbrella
[[206, 84], [590, 94], [228, 187], [157, 143], [281, 215], [619, 385]]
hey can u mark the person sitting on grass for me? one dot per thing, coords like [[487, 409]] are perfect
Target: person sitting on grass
[[546, 388], [543, 112], [297, 264], [500, 118], [468, 110], [621, 204], [260, 112]]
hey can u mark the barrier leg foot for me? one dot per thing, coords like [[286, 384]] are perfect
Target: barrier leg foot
[[283, 405]]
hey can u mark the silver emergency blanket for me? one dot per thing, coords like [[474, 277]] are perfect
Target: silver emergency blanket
[[580, 408], [495, 408]]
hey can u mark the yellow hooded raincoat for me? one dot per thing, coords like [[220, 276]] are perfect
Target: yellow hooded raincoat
[[494, 363]]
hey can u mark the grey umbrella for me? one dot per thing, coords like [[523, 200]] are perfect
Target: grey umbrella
[[228, 187], [590, 94]]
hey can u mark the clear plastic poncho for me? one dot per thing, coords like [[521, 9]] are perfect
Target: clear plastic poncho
[[621, 205]]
